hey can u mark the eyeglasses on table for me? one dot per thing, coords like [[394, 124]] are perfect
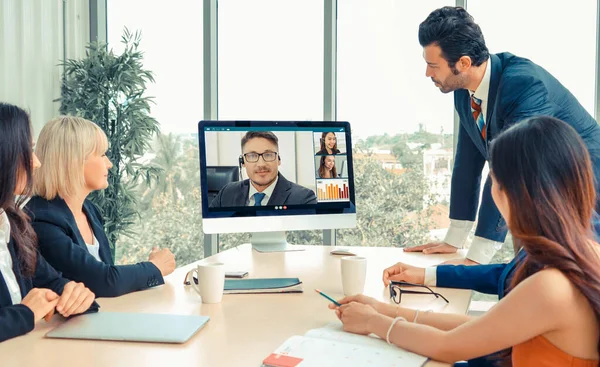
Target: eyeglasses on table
[[399, 288]]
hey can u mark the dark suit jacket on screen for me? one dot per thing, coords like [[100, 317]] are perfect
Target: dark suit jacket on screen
[[285, 193]]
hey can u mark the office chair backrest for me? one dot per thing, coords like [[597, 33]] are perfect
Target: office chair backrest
[[219, 176], [343, 169]]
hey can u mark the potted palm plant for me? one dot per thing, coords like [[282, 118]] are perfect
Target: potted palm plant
[[109, 89]]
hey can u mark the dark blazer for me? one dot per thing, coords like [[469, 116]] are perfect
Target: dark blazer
[[285, 193], [61, 244], [518, 89], [19, 319], [324, 152], [490, 279]]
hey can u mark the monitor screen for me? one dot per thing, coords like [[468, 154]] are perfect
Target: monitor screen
[[275, 170]]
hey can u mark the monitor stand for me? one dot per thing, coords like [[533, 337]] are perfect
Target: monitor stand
[[272, 242]]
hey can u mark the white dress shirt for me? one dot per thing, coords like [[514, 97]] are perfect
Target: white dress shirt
[[6, 264], [94, 249], [481, 250], [483, 90], [268, 193]]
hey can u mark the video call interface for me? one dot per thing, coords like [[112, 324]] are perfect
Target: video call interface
[[306, 166]]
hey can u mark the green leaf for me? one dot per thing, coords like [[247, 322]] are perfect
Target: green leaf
[[109, 89]]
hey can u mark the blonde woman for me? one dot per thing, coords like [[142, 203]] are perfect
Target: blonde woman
[[69, 227]]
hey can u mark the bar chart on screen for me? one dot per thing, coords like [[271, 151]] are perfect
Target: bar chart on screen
[[333, 190]]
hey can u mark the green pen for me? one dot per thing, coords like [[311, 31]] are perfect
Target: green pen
[[329, 298]]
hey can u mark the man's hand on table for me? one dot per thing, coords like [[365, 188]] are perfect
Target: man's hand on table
[[404, 273], [433, 248], [441, 248]]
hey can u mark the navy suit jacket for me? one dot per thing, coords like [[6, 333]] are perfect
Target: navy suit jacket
[[285, 193], [19, 319], [519, 89], [61, 244], [489, 279]]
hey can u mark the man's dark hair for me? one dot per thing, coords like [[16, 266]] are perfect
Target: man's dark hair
[[260, 134], [456, 33]]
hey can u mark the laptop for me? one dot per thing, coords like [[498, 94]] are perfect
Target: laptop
[[139, 327]]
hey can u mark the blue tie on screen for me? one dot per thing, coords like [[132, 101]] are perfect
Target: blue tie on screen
[[258, 198]]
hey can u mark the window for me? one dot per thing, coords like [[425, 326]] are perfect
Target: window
[[557, 36], [172, 46], [567, 51], [398, 118], [270, 59], [270, 68]]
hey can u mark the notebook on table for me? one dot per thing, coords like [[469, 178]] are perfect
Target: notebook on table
[[139, 327], [331, 346], [263, 285]]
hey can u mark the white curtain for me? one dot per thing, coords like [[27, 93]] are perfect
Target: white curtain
[[32, 45]]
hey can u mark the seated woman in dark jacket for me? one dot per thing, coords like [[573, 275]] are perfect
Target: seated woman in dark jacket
[[30, 289], [69, 227]]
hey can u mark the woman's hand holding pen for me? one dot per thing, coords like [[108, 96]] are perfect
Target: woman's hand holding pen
[[356, 312], [359, 298], [357, 317]]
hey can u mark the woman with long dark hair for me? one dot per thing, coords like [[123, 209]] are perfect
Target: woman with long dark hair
[[327, 167], [328, 144], [32, 289], [543, 185]]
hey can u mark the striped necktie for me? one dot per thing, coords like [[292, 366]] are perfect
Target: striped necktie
[[477, 115]]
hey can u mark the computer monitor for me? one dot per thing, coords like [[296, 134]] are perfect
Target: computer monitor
[[293, 175]]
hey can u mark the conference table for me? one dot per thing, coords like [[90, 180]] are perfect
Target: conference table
[[244, 328]]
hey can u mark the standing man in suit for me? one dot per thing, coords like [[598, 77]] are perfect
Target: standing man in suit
[[491, 93], [265, 185]]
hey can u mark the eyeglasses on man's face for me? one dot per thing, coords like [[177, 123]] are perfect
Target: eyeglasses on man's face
[[267, 157], [398, 288]]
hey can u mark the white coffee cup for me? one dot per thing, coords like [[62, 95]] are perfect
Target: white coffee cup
[[354, 273], [211, 282]]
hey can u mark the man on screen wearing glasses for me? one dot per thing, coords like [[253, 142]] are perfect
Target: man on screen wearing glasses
[[265, 186]]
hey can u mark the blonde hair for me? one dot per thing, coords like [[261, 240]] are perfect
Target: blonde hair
[[63, 146]]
